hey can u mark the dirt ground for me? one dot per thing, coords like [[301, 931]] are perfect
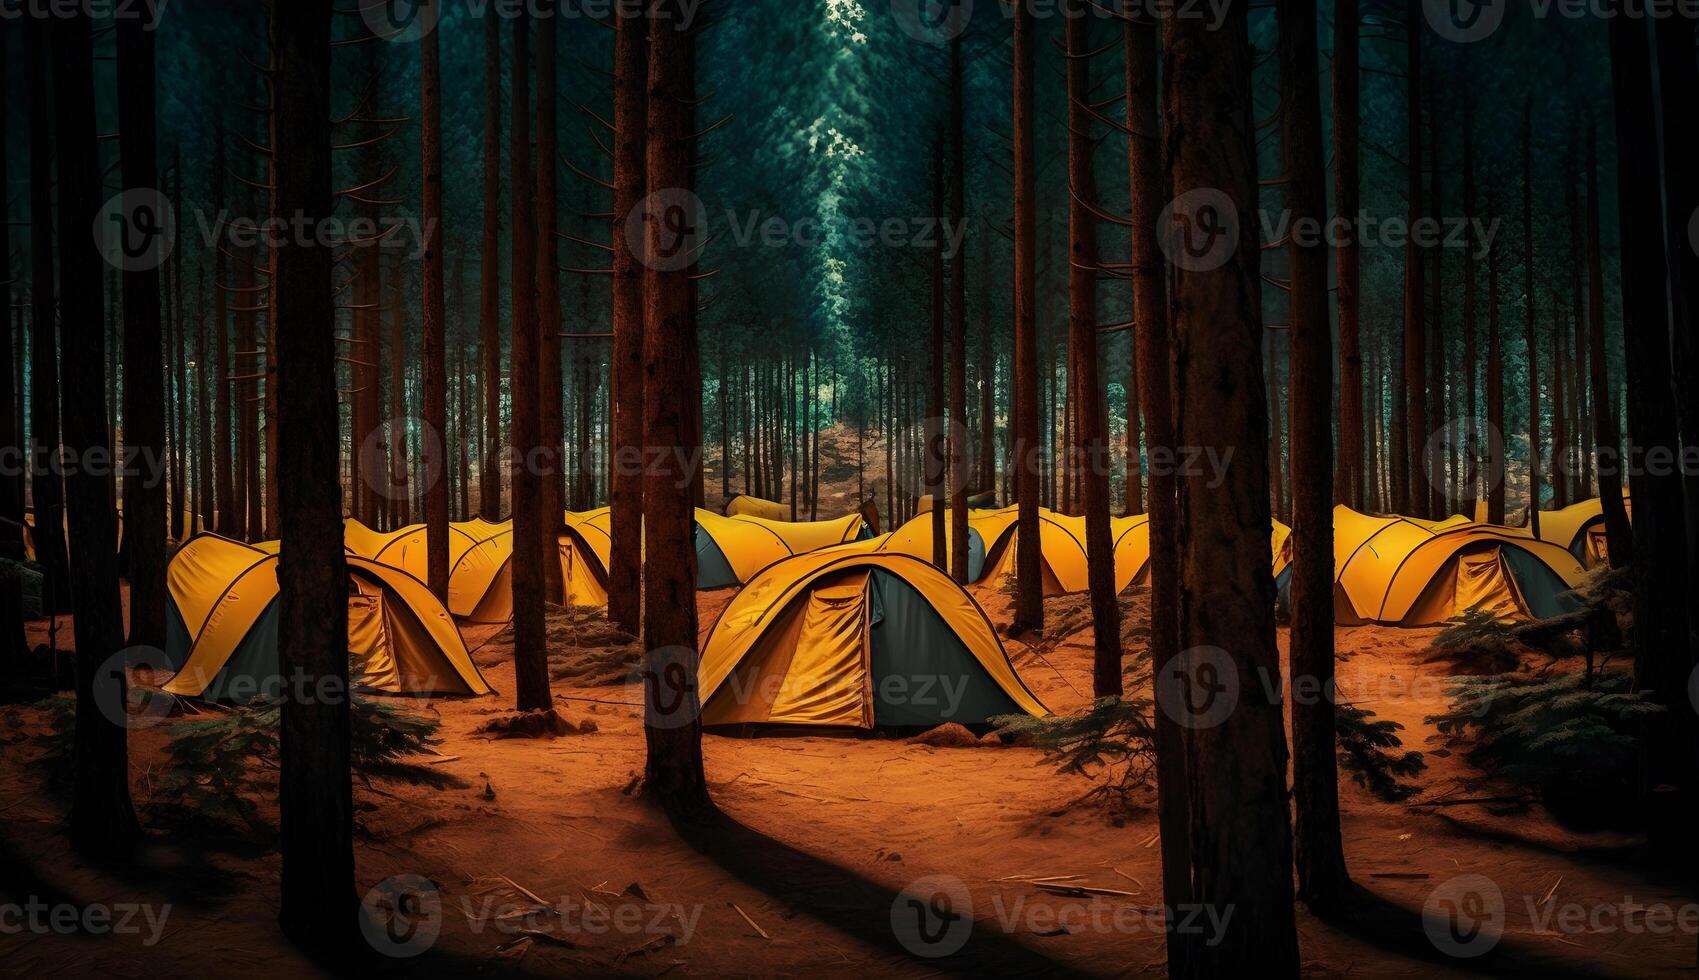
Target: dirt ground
[[828, 853], [822, 835]]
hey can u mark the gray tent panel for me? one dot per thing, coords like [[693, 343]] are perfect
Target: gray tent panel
[[922, 673]]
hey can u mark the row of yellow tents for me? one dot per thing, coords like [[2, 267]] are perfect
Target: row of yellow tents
[[832, 625]]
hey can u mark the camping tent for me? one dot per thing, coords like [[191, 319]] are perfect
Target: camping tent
[[854, 638], [992, 547], [728, 549], [742, 503], [1580, 530], [1406, 572], [480, 563], [221, 629]]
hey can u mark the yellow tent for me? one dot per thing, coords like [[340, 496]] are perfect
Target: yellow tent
[[848, 637], [1580, 529], [1063, 551], [729, 550], [222, 627], [801, 537], [480, 562], [1407, 572], [742, 503]]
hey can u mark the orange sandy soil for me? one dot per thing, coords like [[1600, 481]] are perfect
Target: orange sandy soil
[[821, 835]]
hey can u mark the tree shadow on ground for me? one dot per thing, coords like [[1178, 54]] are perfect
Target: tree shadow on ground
[[855, 904]]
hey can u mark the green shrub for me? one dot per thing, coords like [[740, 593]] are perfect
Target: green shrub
[[1368, 752]]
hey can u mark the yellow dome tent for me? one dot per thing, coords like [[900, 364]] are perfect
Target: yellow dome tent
[[742, 503], [1580, 530], [480, 563], [222, 627], [852, 638], [1063, 550], [729, 550], [1405, 572]]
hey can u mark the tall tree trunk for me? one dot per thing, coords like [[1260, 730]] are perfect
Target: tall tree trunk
[[1560, 434], [530, 644], [1533, 354], [1322, 880], [1497, 471], [1412, 494], [987, 481], [625, 583], [1672, 759], [958, 328], [1276, 429], [1029, 584], [1091, 439], [224, 436], [1240, 841], [937, 459], [1607, 434], [672, 719], [400, 486], [434, 378], [11, 419], [1151, 337], [1471, 463], [47, 490], [316, 834], [1435, 452], [551, 425], [489, 279], [102, 817], [1347, 162]]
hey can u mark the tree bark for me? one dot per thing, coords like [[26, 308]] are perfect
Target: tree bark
[[672, 730], [958, 329], [1322, 879], [1091, 442], [530, 644], [103, 820], [1029, 584], [316, 792], [1607, 433], [1673, 760], [1498, 472], [11, 419], [1659, 564], [1471, 463], [551, 425], [1347, 162], [1151, 337], [1532, 351], [1412, 494], [489, 279], [625, 583], [47, 490], [434, 380], [1240, 840]]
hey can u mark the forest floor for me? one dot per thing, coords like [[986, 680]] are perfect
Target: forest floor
[[806, 872]]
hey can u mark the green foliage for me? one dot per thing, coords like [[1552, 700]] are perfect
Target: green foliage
[[30, 578], [1554, 734], [1480, 638], [216, 766], [1115, 738], [1368, 751]]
